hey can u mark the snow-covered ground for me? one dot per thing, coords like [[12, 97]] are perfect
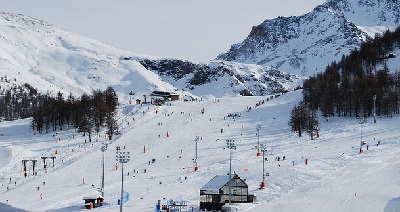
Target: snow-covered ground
[[337, 177]]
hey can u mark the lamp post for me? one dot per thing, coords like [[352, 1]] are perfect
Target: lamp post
[[258, 142], [196, 140], [122, 157], [103, 149], [361, 121], [374, 98], [263, 149], [231, 145]]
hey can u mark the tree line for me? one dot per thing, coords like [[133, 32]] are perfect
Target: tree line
[[351, 86], [17, 102], [87, 114]]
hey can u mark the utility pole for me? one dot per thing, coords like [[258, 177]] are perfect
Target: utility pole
[[374, 98], [361, 121], [263, 148], [122, 157], [258, 142], [196, 140], [103, 149], [231, 145]]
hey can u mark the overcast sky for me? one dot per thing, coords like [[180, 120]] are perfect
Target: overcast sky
[[197, 30]]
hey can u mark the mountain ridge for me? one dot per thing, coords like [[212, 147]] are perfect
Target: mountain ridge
[[51, 60], [306, 44]]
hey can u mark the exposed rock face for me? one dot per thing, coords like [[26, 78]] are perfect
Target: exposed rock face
[[226, 77], [305, 44]]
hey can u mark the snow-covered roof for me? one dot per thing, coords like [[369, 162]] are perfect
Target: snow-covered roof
[[92, 197], [216, 183]]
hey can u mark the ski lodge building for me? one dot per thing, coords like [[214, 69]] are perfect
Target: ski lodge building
[[165, 95], [215, 193]]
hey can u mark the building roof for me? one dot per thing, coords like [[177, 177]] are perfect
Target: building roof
[[160, 93], [92, 197], [216, 183]]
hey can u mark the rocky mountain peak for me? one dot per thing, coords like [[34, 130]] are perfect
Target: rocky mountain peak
[[305, 44]]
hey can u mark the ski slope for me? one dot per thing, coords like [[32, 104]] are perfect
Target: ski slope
[[336, 178]]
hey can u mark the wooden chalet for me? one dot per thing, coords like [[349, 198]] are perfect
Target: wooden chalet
[[93, 202], [215, 193]]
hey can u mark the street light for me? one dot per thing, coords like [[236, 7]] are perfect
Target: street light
[[263, 148], [230, 145], [258, 143], [196, 140], [361, 121], [122, 157], [103, 149]]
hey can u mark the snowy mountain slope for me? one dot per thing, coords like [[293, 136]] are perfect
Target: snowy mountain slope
[[370, 13], [52, 60], [337, 177], [305, 44]]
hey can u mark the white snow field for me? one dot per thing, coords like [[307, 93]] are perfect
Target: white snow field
[[336, 178]]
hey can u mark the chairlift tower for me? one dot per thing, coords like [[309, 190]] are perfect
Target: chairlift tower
[[258, 142], [24, 164], [361, 121], [44, 162], [122, 157], [53, 158], [33, 166], [196, 140], [374, 98], [263, 149], [231, 146], [103, 149]]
